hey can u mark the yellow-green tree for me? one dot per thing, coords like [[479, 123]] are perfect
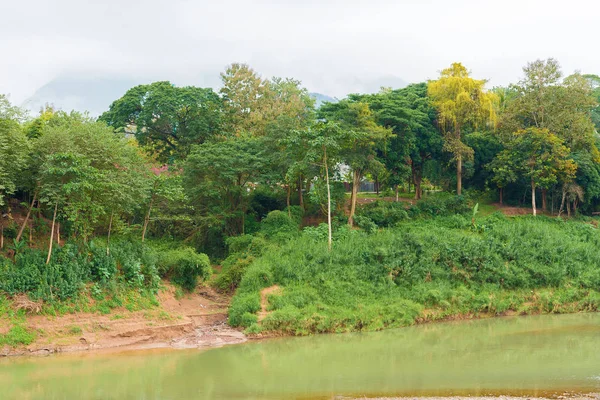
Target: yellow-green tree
[[462, 103]]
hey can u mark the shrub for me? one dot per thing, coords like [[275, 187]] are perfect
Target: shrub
[[232, 272], [365, 223], [183, 266], [384, 213], [242, 305], [279, 226], [265, 200]]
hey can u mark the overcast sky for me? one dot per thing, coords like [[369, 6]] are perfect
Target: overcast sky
[[327, 44]]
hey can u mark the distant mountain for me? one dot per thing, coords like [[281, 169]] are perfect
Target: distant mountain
[[322, 98], [82, 94], [95, 95]]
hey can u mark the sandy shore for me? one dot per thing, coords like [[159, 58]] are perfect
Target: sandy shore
[[197, 320], [589, 396]]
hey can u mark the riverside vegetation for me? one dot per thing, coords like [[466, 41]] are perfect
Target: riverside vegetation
[[421, 268], [170, 181]]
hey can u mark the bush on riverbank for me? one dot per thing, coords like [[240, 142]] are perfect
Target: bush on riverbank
[[425, 269], [132, 264]]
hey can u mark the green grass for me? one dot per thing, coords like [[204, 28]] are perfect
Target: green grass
[[424, 269], [17, 334]]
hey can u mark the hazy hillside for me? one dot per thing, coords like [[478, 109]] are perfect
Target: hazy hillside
[[82, 94]]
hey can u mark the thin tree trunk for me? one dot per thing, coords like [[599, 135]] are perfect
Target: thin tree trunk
[[1, 231], [533, 198], [147, 218], [58, 233], [108, 237], [22, 229], [289, 193], [329, 230], [459, 175], [397, 194], [501, 195], [544, 203], [417, 178], [300, 197], [562, 202], [377, 186], [30, 233], [355, 183], [52, 233]]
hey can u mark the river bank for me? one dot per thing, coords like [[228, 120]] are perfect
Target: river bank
[[589, 396], [196, 320]]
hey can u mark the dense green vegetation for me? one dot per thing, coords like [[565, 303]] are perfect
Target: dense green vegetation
[[266, 185], [424, 269]]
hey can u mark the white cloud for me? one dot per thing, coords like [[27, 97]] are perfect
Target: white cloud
[[327, 44]]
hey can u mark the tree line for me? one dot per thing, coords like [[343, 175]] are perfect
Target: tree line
[[198, 165]]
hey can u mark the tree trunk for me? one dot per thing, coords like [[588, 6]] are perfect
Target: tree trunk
[[52, 233], [533, 198], [58, 233], [329, 230], [22, 229], [417, 178], [30, 233], [147, 219], [459, 175], [355, 182], [562, 202], [377, 186], [501, 194], [544, 204], [1, 231], [108, 237], [289, 193], [397, 194], [300, 197]]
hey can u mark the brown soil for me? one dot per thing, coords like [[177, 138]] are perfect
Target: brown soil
[[264, 300], [197, 320], [589, 396]]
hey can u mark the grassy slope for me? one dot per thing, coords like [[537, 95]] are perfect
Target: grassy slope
[[424, 270]]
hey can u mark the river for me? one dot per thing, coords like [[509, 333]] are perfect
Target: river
[[535, 355]]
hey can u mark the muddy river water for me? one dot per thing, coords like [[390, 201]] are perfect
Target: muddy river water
[[537, 355]]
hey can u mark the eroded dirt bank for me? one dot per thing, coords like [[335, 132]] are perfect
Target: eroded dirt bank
[[590, 396], [196, 320]]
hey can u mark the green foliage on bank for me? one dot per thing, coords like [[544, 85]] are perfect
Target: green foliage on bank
[[130, 263], [425, 268]]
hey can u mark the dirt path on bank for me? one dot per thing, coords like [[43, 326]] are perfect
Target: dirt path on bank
[[264, 300], [196, 320]]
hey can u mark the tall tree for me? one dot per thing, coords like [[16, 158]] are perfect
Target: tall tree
[[410, 115], [247, 100], [218, 178], [167, 120], [543, 99], [538, 156], [14, 148], [462, 103], [363, 135]]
